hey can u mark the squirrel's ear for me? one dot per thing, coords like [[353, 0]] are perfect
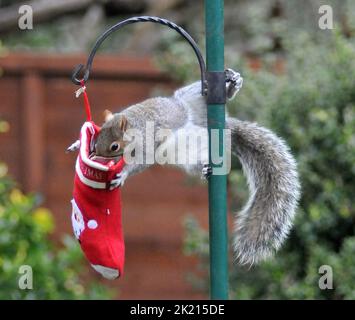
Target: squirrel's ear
[[123, 123], [108, 115]]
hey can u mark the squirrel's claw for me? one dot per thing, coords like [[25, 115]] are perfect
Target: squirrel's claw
[[74, 146], [234, 82], [118, 181], [206, 171]]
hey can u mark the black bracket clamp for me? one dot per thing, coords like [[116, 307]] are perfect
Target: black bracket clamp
[[216, 84]]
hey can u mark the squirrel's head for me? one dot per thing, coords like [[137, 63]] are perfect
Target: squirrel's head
[[109, 142]]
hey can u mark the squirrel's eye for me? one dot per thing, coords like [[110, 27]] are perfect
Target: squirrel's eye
[[114, 146]]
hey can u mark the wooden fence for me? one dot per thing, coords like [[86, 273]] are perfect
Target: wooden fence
[[37, 99]]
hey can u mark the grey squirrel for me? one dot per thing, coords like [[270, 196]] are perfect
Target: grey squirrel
[[271, 171]]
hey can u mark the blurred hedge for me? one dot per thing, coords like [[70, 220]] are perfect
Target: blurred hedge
[[24, 230]]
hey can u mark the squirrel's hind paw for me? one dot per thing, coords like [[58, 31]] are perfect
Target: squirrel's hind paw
[[206, 171], [234, 82]]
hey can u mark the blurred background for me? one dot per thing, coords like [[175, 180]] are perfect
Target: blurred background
[[299, 81]]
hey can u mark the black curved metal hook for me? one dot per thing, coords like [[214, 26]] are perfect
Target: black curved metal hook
[[78, 69]]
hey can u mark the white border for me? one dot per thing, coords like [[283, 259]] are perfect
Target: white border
[[83, 146], [88, 182]]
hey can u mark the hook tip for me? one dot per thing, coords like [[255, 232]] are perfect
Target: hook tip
[[76, 72]]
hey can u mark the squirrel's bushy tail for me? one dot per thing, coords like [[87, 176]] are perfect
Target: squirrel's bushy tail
[[271, 171]]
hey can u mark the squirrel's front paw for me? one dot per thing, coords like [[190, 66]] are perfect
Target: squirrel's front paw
[[206, 171], [119, 180], [234, 82], [74, 146]]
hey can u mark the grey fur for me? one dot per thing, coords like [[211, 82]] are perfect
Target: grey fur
[[271, 171]]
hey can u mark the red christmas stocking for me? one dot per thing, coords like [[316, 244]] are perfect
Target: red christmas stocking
[[96, 214]]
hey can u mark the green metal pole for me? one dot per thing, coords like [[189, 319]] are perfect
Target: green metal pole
[[217, 188]]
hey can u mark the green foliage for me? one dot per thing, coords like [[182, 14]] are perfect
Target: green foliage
[[312, 106], [24, 230]]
